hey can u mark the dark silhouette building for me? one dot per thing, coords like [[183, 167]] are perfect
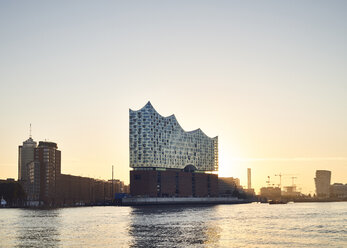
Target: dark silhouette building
[[26, 155], [42, 174], [76, 190], [271, 193], [43, 184], [228, 185], [49, 158], [12, 193]]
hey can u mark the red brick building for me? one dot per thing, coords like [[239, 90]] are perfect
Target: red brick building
[[73, 190], [169, 183]]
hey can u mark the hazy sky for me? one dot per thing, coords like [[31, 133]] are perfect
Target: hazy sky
[[268, 77]]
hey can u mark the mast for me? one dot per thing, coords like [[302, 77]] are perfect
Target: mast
[[112, 184]]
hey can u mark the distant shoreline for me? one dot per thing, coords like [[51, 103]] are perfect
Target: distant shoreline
[[320, 200], [169, 202]]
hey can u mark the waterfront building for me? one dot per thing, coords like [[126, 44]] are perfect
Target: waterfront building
[[271, 193], [322, 182], [25, 157], [38, 168], [290, 191], [160, 142], [76, 190], [126, 189], [227, 185], [40, 176], [338, 190], [118, 185], [43, 173], [168, 161], [12, 192], [33, 183]]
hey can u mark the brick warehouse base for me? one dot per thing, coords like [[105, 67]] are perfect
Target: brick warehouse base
[[169, 183]]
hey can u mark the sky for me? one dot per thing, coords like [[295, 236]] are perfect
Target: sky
[[268, 78]]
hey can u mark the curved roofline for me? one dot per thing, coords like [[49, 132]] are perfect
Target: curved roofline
[[174, 117]]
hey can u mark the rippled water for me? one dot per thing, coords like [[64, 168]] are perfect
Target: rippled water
[[246, 225]]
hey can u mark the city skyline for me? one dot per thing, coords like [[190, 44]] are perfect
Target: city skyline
[[274, 181], [268, 79]]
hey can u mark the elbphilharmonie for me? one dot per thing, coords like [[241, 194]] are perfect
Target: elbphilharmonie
[[168, 161]]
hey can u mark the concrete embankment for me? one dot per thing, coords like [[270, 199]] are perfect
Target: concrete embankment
[[140, 201]]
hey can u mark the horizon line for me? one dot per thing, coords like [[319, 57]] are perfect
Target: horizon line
[[290, 159]]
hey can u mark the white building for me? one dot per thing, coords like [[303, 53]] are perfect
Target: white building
[[160, 142]]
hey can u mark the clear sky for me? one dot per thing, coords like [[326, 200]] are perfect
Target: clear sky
[[268, 77]]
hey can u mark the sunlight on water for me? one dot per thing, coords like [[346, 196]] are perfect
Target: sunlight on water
[[247, 225]]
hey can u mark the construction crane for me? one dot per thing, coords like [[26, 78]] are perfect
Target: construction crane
[[268, 181], [293, 181], [279, 175]]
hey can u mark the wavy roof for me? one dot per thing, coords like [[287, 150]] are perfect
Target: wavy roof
[[172, 117]]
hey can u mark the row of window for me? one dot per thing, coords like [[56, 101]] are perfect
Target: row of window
[[158, 140]]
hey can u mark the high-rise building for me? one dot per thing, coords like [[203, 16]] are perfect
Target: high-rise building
[[32, 186], [42, 172], [322, 181], [249, 178], [168, 161], [25, 157], [49, 158], [249, 189]]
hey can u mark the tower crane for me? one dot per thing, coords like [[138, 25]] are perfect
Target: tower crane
[[279, 175], [293, 181], [268, 181]]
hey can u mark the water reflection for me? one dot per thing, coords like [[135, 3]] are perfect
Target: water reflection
[[38, 228], [246, 225], [173, 226]]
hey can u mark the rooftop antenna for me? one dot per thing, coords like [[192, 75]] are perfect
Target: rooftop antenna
[[112, 184], [30, 131]]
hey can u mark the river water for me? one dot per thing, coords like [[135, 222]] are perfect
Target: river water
[[244, 225]]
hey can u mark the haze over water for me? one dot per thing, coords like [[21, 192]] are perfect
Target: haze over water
[[247, 225]]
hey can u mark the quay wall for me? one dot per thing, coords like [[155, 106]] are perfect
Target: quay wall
[[138, 201]]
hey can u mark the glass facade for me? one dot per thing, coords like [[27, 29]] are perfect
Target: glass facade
[[157, 141]]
